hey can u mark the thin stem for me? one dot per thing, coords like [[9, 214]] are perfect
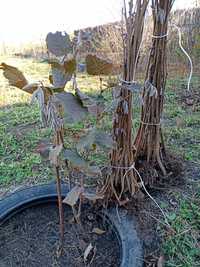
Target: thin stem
[[60, 206]]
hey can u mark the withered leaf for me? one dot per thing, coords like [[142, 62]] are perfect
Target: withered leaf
[[86, 100], [99, 66], [98, 231], [73, 196], [15, 77], [73, 109], [59, 43], [61, 72]]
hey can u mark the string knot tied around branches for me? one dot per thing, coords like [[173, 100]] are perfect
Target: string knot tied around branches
[[132, 86]]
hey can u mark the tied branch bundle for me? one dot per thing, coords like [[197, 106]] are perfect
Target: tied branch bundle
[[119, 180], [149, 142]]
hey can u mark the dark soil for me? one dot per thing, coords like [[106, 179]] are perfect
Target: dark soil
[[31, 239]]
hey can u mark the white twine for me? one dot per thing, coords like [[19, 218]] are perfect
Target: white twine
[[159, 36], [151, 124], [181, 47], [183, 50], [132, 167], [127, 82]]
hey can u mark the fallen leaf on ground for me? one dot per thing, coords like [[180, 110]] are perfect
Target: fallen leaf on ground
[[98, 231]]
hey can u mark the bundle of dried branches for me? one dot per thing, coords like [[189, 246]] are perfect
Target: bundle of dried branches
[[149, 142], [120, 180]]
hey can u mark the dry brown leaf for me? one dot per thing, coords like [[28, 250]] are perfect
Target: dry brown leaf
[[73, 196], [31, 87], [100, 66], [14, 76], [98, 231]]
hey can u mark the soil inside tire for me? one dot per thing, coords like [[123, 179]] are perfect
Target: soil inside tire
[[31, 239]]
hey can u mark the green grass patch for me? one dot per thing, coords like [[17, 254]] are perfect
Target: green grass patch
[[182, 248]]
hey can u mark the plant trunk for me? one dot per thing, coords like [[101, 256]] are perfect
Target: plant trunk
[[149, 142], [122, 178]]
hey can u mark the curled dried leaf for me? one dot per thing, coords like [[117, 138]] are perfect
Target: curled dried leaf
[[98, 231], [15, 77], [73, 196]]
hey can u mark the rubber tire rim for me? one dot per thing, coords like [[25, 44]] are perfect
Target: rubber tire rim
[[124, 225]]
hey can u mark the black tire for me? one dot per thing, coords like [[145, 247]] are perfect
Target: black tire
[[123, 224]]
